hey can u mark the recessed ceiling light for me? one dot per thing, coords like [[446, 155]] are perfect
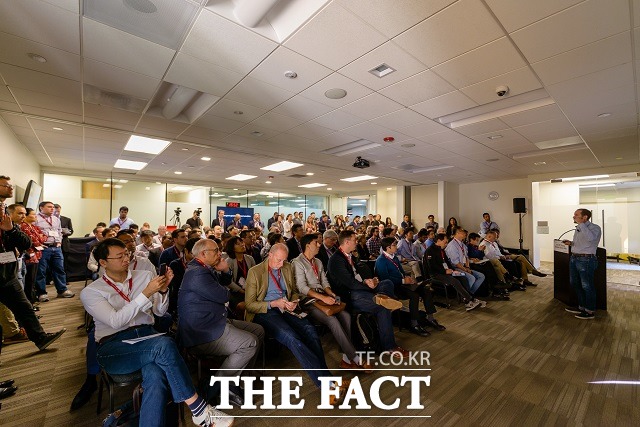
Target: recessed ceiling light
[[56, 128], [257, 134], [238, 112], [281, 166], [235, 189], [329, 188], [374, 183], [106, 185], [540, 163], [310, 173], [312, 185], [381, 70], [580, 178], [164, 163], [185, 149], [618, 158], [117, 186], [267, 182], [178, 173], [206, 159], [389, 188], [492, 160], [123, 181], [191, 167], [603, 115], [408, 145], [241, 177], [158, 182], [335, 93], [359, 178], [37, 58], [290, 74], [141, 144], [495, 137], [147, 188], [129, 164]]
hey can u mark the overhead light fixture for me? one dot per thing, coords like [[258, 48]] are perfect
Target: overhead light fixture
[[493, 110], [238, 112], [57, 128], [178, 173], [357, 204], [118, 186], [374, 183], [310, 174], [241, 177], [129, 164], [147, 188], [548, 151], [352, 147], [430, 169], [158, 182], [106, 185], [290, 74], [603, 115], [267, 182], [206, 159], [235, 189], [312, 185], [282, 166], [335, 93], [185, 149], [257, 134], [389, 188], [597, 185], [495, 137], [582, 178], [381, 70], [329, 188], [142, 144], [38, 58], [539, 163], [358, 178]]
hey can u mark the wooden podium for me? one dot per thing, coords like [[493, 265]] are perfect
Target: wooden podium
[[562, 289]]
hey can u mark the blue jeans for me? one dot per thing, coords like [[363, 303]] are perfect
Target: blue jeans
[[581, 274], [475, 280], [163, 370], [364, 301], [299, 336], [51, 257]]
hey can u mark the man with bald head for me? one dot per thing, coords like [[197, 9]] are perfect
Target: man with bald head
[[270, 296]]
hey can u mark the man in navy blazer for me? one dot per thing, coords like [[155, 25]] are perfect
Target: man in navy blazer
[[203, 326]]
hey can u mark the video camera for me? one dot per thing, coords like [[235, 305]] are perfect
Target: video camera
[[198, 211]]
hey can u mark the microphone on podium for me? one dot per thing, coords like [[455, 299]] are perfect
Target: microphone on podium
[[573, 229]]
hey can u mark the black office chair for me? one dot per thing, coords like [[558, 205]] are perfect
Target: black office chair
[[437, 285]]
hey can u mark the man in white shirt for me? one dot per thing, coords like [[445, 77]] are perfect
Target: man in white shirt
[[492, 251], [162, 231], [122, 220], [457, 252], [148, 243], [137, 261], [122, 303]]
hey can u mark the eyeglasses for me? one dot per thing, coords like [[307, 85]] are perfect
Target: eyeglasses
[[122, 256], [6, 185]]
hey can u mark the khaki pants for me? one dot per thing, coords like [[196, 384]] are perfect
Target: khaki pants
[[8, 321], [412, 268]]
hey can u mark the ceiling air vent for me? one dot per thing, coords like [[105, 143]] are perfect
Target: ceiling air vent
[[381, 70], [105, 98], [297, 175]]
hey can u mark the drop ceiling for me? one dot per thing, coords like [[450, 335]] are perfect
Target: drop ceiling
[[448, 55]]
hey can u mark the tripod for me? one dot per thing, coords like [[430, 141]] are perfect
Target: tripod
[[176, 220]]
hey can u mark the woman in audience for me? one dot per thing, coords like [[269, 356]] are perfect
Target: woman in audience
[[312, 282], [363, 251], [453, 224], [339, 223], [310, 226], [33, 254], [239, 264], [388, 222], [286, 226]]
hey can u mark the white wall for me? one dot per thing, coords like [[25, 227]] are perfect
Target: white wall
[[448, 202], [18, 162], [424, 202], [390, 203], [474, 201]]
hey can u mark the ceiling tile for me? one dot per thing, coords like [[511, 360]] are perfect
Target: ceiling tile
[[354, 90], [546, 131], [272, 70], [515, 14], [426, 127], [302, 108], [229, 109], [337, 25], [21, 78], [389, 53], [375, 133], [573, 27], [493, 59], [109, 117], [519, 81], [372, 106], [259, 94], [453, 31], [310, 130], [275, 121], [219, 124], [337, 120], [542, 114], [445, 104], [227, 44], [399, 119], [487, 126], [106, 44], [111, 78], [202, 76], [418, 88], [50, 102]]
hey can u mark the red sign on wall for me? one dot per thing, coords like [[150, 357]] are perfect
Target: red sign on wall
[[233, 204]]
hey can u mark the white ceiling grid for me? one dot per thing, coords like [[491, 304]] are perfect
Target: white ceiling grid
[[448, 55]]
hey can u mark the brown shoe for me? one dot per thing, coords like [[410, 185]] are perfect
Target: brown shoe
[[333, 400], [388, 302], [21, 336], [399, 352], [353, 366]]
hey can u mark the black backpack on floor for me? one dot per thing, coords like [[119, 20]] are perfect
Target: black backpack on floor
[[364, 332]]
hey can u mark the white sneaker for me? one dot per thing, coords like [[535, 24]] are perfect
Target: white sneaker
[[472, 304], [211, 417], [483, 304], [43, 298], [66, 294]]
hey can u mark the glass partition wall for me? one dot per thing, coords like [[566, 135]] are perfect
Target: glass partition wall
[[89, 200]]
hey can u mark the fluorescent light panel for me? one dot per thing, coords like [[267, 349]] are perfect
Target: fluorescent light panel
[[581, 178], [129, 164], [597, 185], [352, 147], [430, 169], [142, 144], [358, 178], [548, 151], [282, 166], [312, 185], [241, 177]]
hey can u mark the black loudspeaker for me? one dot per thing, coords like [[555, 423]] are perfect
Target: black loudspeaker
[[519, 205]]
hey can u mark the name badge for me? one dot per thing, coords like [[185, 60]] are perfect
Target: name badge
[[7, 257], [241, 282], [53, 233], [358, 278]]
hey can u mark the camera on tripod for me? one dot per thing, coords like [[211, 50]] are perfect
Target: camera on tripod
[[177, 211]]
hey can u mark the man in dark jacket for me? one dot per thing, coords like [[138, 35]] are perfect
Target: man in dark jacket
[[203, 326], [11, 293]]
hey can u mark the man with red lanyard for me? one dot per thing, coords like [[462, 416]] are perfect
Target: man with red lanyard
[[176, 251], [136, 262], [270, 294], [122, 220], [122, 303], [204, 327], [52, 257], [459, 256]]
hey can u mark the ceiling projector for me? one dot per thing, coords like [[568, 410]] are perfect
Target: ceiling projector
[[361, 163]]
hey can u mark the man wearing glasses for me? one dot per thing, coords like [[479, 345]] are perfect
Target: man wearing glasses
[[203, 324], [122, 303]]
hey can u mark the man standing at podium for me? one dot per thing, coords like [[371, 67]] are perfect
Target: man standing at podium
[[583, 263]]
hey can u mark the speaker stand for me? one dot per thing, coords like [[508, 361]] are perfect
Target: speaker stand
[[520, 240]]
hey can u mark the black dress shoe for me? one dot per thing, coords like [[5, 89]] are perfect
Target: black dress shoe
[[84, 394], [419, 330], [235, 398], [434, 324], [6, 383], [538, 273], [7, 391], [528, 283]]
